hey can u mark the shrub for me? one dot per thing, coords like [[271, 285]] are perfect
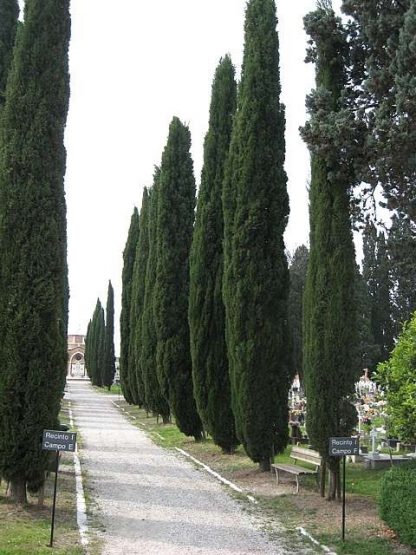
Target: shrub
[[397, 501]]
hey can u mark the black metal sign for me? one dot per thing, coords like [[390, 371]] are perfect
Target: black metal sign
[[342, 446], [57, 440], [54, 440]]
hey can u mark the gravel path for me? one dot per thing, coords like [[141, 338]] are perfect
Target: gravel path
[[150, 500]]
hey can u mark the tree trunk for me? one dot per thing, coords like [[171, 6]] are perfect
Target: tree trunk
[[264, 465], [166, 419], [199, 437], [41, 495], [322, 478], [333, 481], [17, 491]]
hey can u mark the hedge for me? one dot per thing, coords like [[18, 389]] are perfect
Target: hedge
[[398, 501]]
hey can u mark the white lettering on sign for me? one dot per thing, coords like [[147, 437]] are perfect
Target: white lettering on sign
[[57, 435], [341, 442], [54, 440], [343, 452], [54, 446]]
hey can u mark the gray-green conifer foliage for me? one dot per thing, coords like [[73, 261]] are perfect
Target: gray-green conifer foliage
[[376, 273], [256, 277], [329, 311], [154, 400], [175, 217], [33, 266], [129, 254], [206, 307], [137, 300], [9, 12], [298, 269], [109, 368], [94, 343]]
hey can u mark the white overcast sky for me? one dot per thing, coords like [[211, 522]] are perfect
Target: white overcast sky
[[134, 65]]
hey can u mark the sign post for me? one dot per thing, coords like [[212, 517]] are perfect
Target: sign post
[[56, 440], [341, 447]]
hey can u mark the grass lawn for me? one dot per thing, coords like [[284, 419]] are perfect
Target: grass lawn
[[26, 530], [366, 534], [115, 389]]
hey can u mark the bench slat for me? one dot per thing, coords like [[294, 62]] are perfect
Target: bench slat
[[299, 454], [293, 469]]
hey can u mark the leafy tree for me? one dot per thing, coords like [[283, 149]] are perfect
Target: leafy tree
[[376, 273], [9, 12], [175, 216], [127, 278], [401, 246], [154, 399], [109, 367], [397, 378], [297, 271], [33, 267], [206, 307], [137, 301], [256, 277], [329, 311]]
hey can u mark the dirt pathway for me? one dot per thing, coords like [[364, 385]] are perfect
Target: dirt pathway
[[150, 500]]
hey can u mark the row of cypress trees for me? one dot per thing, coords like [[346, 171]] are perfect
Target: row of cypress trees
[[99, 343], [34, 94], [204, 308]]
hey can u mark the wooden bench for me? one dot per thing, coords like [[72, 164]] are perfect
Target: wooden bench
[[299, 454]]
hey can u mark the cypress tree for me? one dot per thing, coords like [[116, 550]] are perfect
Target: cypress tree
[[401, 246], [137, 301], [206, 307], [154, 399], [127, 278], [176, 203], [367, 351], [256, 277], [92, 346], [109, 368], [329, 312], [9, 12], [297, 272], [33, 268], [376, 273], [99, 346], [88, 348]]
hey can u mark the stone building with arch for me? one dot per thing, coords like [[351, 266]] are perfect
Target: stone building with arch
[[76, 357]]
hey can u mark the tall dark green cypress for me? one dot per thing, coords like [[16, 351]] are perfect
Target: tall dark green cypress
[[109, 368], [329, 311], [99, 346], [33, 267], [175, 217], [206, 308], [127, 278], [367, 351], [401, 246], [154, 399], [137, 300], [92, 346], [87, 353], [376, 273], [9, 12], [256, 277], [297, 271]]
